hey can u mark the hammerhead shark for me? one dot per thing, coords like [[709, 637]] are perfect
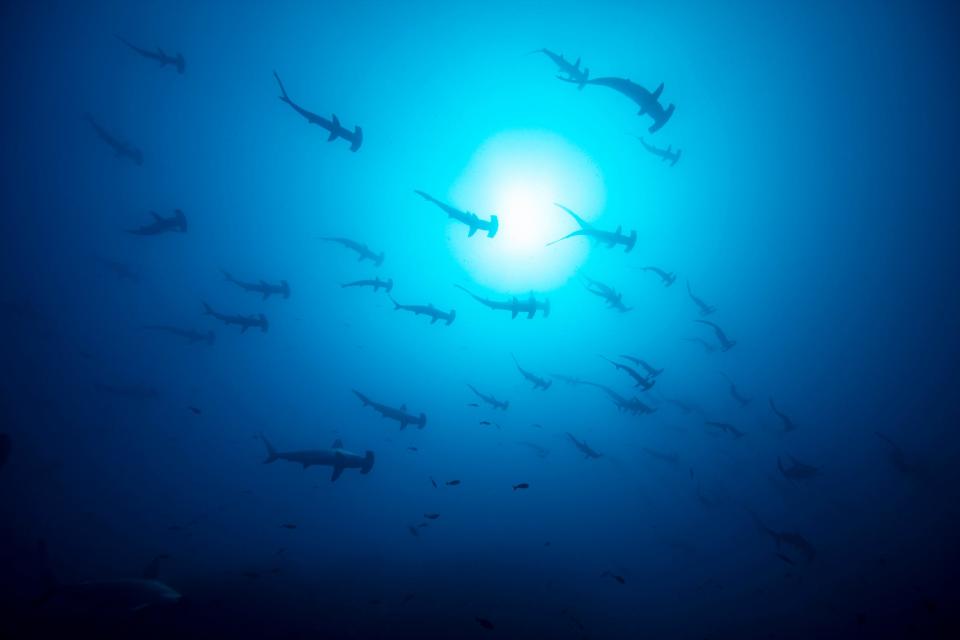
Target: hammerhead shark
[[376, 283], [400, 415], [725, 343], [164, 59], [333, 125], [633, 405], [244, 322], [336, 456], [726, 427], [898, 458], [573, 71], [426, 309], [797, 470], [707, 347], [189, 335], [362, 250], [741, 399], [503, 405], [609, 294], [648, 102], [667, 154], [121, 148], [538, 382], [515, 305], [472, 220], [705, 309], [781, 538], [640, 380], [177, 222], [788, 424], [652, 371], [668, 278], [261, 287], [609, 238], [584, 448]]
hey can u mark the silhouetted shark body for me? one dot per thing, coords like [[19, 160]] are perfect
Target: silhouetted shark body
[[788, 424], [572, 69], [648, 102], [427, 310], [121, 148], [609, 238], [515, 306], [376, 283], [160, 56], [639, 379], [244, 322], [189, 335], [400, 415], [362, 250], [262, 287], [781, 538], [502, 405], [613, 298], [725, 343], [333, 126], [633, 405], [175, 223], [472, 220], [726, 427], [741, 399], [336, 456], [583, 447], [538, 382], [667, 278], [705, 309], [667, 154]]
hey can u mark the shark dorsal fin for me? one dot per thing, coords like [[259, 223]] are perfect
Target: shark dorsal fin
[[656, 94], [403, 407], [337, 444]]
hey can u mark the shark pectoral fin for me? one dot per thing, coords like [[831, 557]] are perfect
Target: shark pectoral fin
[[433, 319], [472, 231], [531, 313], [337, 444], [337, 471], [244, 328], [266, 294]]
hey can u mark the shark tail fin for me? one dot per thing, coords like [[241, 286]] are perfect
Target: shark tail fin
[[181, 220], [451, 317], [494, 226], [546, 308], [283, 91], [357, 139], [676, 157], [662, 121], [422, 422], [583, 79], [396, 305], [264, 324], [208, 310], [583, 223], [379, 259], [271, 452], [631, 243], [367, 463], [285, 289]]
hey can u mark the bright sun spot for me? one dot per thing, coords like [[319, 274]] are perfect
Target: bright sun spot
[[518, 176]]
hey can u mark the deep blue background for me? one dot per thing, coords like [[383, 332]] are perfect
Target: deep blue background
[[815, 205]]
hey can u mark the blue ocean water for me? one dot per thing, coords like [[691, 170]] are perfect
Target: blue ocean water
[[812, 210]]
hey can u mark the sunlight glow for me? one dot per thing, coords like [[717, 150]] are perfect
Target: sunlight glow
[[518, 176]]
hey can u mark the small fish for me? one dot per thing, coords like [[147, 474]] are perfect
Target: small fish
[[433, 482], [786, 559], [452, 483], [413, 531], [485, 423], [412, 449], [422, 525], [195, 410], [472, 404], [537, 425], [547, 543], [431, 516], [483, 622], [407, 597], [522, 485], [289, 525]]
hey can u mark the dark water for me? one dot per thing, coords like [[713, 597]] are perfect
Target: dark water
[[814, 206]]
